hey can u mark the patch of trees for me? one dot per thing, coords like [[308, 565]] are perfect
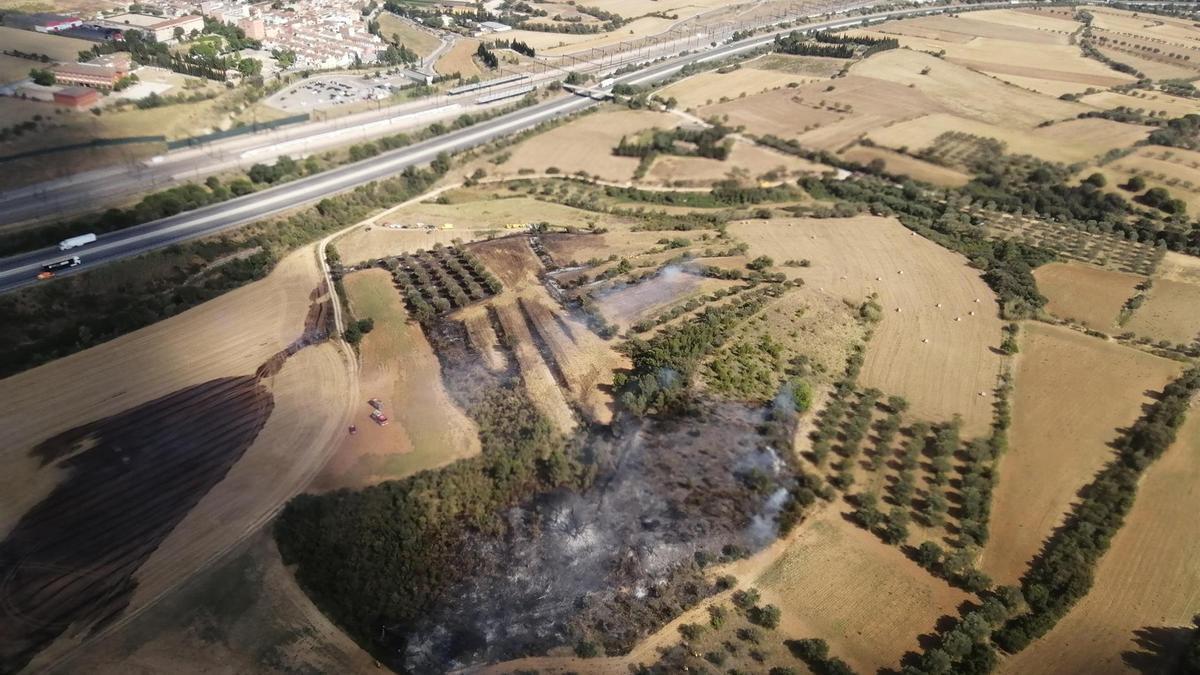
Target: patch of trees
[[356, 330], [873, 45], [379, 557], [63, 316], [799, 44], [397, 54], [487, 56], [443, 278], [963, 647], [1181, 132], [42, 76], [815, 654], [517, 46], [707, 142], [1064, 572], [661, 377]]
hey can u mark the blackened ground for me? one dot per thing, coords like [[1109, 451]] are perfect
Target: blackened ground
[[614, 562], [130, 479]]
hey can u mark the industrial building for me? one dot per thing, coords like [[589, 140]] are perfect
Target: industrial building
[[162, 29]]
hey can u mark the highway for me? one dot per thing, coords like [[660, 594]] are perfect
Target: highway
[[21, 270]]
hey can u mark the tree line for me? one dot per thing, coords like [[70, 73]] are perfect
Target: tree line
[[1064, 572]]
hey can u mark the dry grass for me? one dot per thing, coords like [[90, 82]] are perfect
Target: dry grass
[[854, 257], [1072, 394], [746, 159], [459, 59], [586, 144], [1090, 295], [1068, 142], [427, 429], [57, 47], [246, 615], [712, 87], [420, 41], [905, 165], [1179, 267], [1148, 581], [536, 376], [865, 598], [822, 67], [1171, 312]]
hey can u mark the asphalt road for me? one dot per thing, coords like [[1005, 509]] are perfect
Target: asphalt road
[[21, 270]]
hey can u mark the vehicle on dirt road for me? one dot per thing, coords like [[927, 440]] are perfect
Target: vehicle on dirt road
[[380, 418]]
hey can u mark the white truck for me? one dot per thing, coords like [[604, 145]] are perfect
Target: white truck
[[607, 82], [75, 242]]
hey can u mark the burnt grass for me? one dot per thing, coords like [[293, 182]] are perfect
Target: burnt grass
[[610, 563], [129, 479]]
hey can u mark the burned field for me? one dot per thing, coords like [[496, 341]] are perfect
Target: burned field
[[608, 564], [586, 529], [127, 482]]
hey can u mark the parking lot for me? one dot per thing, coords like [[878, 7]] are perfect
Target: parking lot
[[323, 93]]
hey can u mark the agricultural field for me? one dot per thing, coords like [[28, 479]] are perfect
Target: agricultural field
[[1027, 49], [936, 311], [1147, 590], [1087, 295], [1103, 249], [906, 165], [865, 598], [459, 59], [715, 86], [586, 145], [57, 47], [1062, 428], [246, 614], [289, 398]]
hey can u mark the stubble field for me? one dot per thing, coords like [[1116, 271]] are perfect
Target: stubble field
[[1089, 295], [1147, 586], [218, 377], [1073, 393], [935, 342]]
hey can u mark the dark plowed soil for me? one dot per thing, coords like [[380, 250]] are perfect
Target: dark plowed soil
[[128, 480]]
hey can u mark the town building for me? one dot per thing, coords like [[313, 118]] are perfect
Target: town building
[[87, 75], [77, 97], [162, 29]]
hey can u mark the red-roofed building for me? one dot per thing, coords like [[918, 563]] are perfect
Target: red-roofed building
[[76, 97]]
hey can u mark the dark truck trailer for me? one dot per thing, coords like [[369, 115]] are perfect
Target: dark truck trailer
[[49, 269]]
